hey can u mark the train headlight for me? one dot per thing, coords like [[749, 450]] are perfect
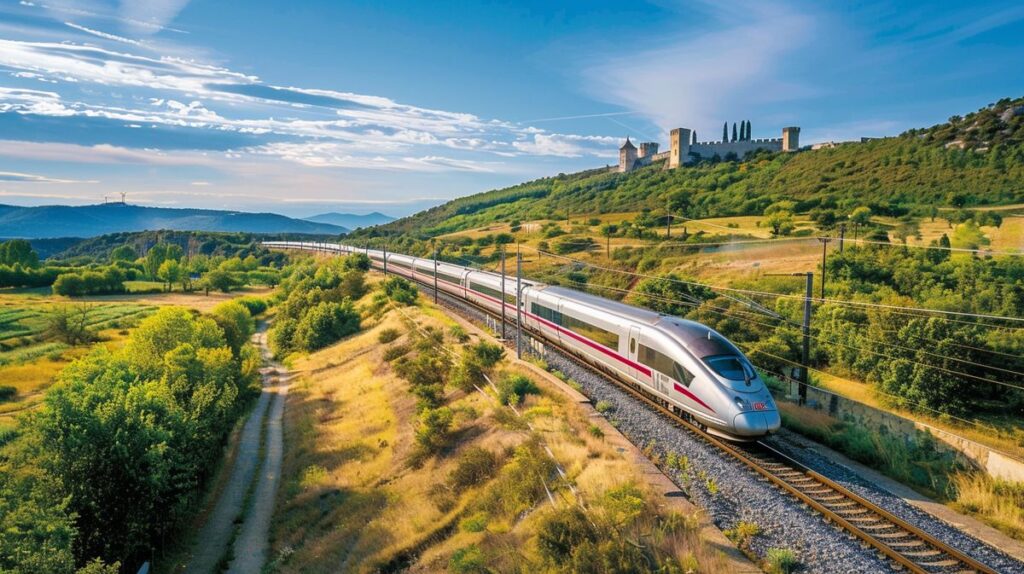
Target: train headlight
[[741, 404]]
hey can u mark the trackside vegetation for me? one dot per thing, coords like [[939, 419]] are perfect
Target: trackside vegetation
[[114, 461]]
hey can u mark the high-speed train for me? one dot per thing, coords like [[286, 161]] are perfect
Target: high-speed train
[[689, 367]]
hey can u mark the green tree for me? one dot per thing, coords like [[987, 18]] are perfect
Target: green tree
[[220, 280], [18, 252], [237, 323], [170, 272], [326, 323], [123, 253], [968, 235], [780, 222], [608, 230], [725, 132]]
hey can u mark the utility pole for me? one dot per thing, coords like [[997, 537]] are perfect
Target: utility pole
[[668, 219], [805, 351], [805, 355], [435, 275], [824, 245], [519, 303], [842, 236], [503, 292], [385, 259]]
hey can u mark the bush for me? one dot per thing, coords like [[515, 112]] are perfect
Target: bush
[[459, 334], [513, 388], [7, 392], [356, 262], [475, 466], [400, 291], [434, 431], [255, 305], [325, 324], [468, 560], [474, 523], [395, 351], [282, 336], [387, 335], [781, 560]]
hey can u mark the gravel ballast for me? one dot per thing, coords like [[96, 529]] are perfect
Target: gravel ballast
[[730, 493]]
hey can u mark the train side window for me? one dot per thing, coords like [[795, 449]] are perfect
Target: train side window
[[664, 364]]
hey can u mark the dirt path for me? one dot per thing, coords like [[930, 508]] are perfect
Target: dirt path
[[254, 535], [216, 535]]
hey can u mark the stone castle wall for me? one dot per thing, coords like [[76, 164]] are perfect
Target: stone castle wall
[[740, 148]]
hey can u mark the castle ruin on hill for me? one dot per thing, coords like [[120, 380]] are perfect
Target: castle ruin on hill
[[685, 149]]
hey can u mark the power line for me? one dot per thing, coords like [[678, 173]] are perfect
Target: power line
[[820, 339], [786, 295]]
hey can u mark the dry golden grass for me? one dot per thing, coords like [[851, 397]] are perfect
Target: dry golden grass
[[997, 502], [196, 300], [351, 501]]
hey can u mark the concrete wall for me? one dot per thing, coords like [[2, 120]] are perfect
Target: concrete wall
[[995, 463]]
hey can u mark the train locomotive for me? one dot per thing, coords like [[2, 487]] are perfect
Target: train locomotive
[[688, 367]]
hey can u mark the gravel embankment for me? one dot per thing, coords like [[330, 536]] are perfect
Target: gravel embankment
[[730, 493]]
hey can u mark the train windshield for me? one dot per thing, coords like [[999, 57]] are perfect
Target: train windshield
[[731, 367]]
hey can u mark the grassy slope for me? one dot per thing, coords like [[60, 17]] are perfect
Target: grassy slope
[[350, 502]]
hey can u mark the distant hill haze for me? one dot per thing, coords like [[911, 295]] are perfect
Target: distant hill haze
[[351, 221], [92, 220]]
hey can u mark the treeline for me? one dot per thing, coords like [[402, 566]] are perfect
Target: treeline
[[192, 243], [114, 462]]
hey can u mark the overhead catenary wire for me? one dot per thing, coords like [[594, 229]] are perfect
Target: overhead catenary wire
[[821, 339], [786, 295], [856, 348]]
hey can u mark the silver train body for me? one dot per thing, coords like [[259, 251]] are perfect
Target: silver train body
[[688, 366]]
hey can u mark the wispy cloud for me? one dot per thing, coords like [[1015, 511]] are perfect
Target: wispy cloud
[[697, 78], [11, 176], [104, 35]]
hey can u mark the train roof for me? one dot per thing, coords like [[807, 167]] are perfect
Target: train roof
[[614, 307]]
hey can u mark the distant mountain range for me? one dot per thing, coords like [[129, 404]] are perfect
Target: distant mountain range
[[352, 221], [93, 220]]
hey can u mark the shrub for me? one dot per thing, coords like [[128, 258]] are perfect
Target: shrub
[[387, 335], [459, 334], [474, 523], [468, 560], [326, 323], [488, 354], [255, 305], [7, 392], [400, 291], [513, 388], [282, 336], [781, 560], [475, 466], [395, 351], [356, 262], [434, 431], [603, 406], [353, 285], [596, 431]]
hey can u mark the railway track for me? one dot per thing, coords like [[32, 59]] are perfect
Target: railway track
[[906, 545], [909, 547]]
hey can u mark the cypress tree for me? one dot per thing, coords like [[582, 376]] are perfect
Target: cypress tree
[[693, 138], [734, 131], [725, 132], [748, 130]]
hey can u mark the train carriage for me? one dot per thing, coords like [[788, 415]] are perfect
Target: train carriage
[[689, 366]]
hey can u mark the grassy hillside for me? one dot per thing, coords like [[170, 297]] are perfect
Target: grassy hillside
[[972, 161]]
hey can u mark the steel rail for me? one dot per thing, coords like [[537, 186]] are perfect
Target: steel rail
[[804, 472]]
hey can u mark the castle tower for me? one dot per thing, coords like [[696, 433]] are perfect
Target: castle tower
[[627, 156], [680, 147], [647, 149], [791, 139]]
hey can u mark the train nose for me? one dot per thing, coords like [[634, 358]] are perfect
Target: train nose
[[756, 423]]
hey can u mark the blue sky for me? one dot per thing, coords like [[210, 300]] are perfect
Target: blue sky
[[305, 107]]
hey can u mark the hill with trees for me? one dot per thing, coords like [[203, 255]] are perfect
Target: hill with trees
[[970, 161], [93, 220]]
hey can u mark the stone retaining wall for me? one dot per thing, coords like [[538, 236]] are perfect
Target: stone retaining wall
[[996, 464]]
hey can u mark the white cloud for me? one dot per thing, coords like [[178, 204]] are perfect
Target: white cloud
[[147, 16], [697, 79], [15, 177], [563, 145], [103, 35]]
